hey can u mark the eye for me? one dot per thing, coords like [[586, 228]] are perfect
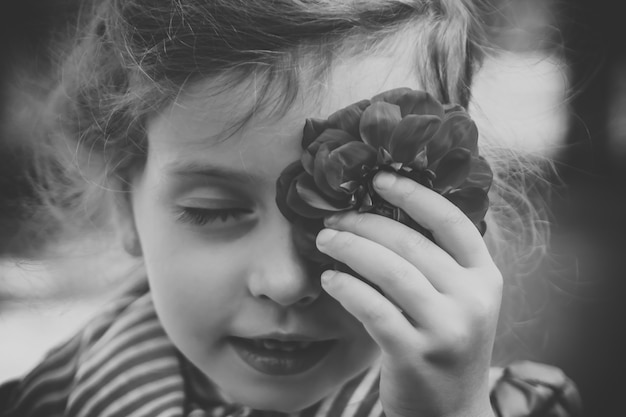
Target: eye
[[202, 216]]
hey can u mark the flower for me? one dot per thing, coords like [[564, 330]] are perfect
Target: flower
[[403, 131]]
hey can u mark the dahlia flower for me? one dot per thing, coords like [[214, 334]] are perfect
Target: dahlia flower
[[404, 131]]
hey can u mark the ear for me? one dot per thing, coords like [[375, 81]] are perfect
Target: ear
[[125, 220]]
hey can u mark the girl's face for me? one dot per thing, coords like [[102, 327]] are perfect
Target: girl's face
[[229, 288]]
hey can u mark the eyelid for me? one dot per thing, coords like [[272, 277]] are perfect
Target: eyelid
[[204, 216], [213, 203], [208, 189]]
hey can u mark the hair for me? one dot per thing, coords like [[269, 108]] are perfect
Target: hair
[[131, 58]]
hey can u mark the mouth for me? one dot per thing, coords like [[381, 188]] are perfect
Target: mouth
[[281, 357]]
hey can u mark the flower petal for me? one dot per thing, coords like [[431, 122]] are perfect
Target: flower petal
[[316, 203], [346, 163], [391, 96], [286, 178], [349, 186], [450, 108], [384, 157], [480, 174], [366, 203], [349, 117], [378, 123], [420, 162], [312, 129], [420, 102], [464, 131], [323, 166], [452, 170], [412, 101], [456, 131], [332, 138], [320, 166], [411, 135], [299, 206], [472, 201]]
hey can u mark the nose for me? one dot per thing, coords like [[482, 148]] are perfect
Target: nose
[[278, 273]]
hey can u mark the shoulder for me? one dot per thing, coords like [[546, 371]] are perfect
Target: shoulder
[[528, 388], [109, 345]]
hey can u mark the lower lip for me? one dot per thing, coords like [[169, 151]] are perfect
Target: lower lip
[[279, 362]]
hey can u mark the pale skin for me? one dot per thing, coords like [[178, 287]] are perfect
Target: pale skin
[[436, 336], [434, 328]]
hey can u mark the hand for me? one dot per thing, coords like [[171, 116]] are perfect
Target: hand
[[436, 318]]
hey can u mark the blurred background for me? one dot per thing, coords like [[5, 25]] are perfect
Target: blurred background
[[557, 89]]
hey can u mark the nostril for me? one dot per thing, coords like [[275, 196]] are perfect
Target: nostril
[[292, 291], [307, 300]]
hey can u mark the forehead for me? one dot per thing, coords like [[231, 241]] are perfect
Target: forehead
[[197, 126]]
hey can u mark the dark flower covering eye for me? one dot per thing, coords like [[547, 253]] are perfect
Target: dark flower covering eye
[[403, 131]]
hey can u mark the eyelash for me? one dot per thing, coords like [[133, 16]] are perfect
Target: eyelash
[[202, 216]]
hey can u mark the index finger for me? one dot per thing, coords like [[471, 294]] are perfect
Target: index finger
[[452, 230]]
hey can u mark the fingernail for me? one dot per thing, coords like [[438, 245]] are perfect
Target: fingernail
[[327, 276], [384, 180], [325, 236]]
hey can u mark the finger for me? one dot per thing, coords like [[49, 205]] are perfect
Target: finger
[[399, 280], [382, 320], [451, 228], [435, 263]]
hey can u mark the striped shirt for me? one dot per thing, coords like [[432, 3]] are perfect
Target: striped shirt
[[122, 364]]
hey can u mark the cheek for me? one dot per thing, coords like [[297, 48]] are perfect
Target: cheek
[[196, 277], [196, 294], [195, 285]]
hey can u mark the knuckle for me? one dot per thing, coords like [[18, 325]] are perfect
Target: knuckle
[[456, 337], [374, 314], [454, 216], [484, 308], [482, 303], [359, 222], [492, 282], [452, 341], [410, 242], [400, 273]]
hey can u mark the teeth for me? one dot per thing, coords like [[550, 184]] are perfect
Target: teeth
[[287, 346]]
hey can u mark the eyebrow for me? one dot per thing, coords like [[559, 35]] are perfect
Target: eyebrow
[[197, 169]]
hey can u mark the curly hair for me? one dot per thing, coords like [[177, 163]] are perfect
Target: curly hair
[[131, 58]]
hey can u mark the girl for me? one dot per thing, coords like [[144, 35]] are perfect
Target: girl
[[185, 114]]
